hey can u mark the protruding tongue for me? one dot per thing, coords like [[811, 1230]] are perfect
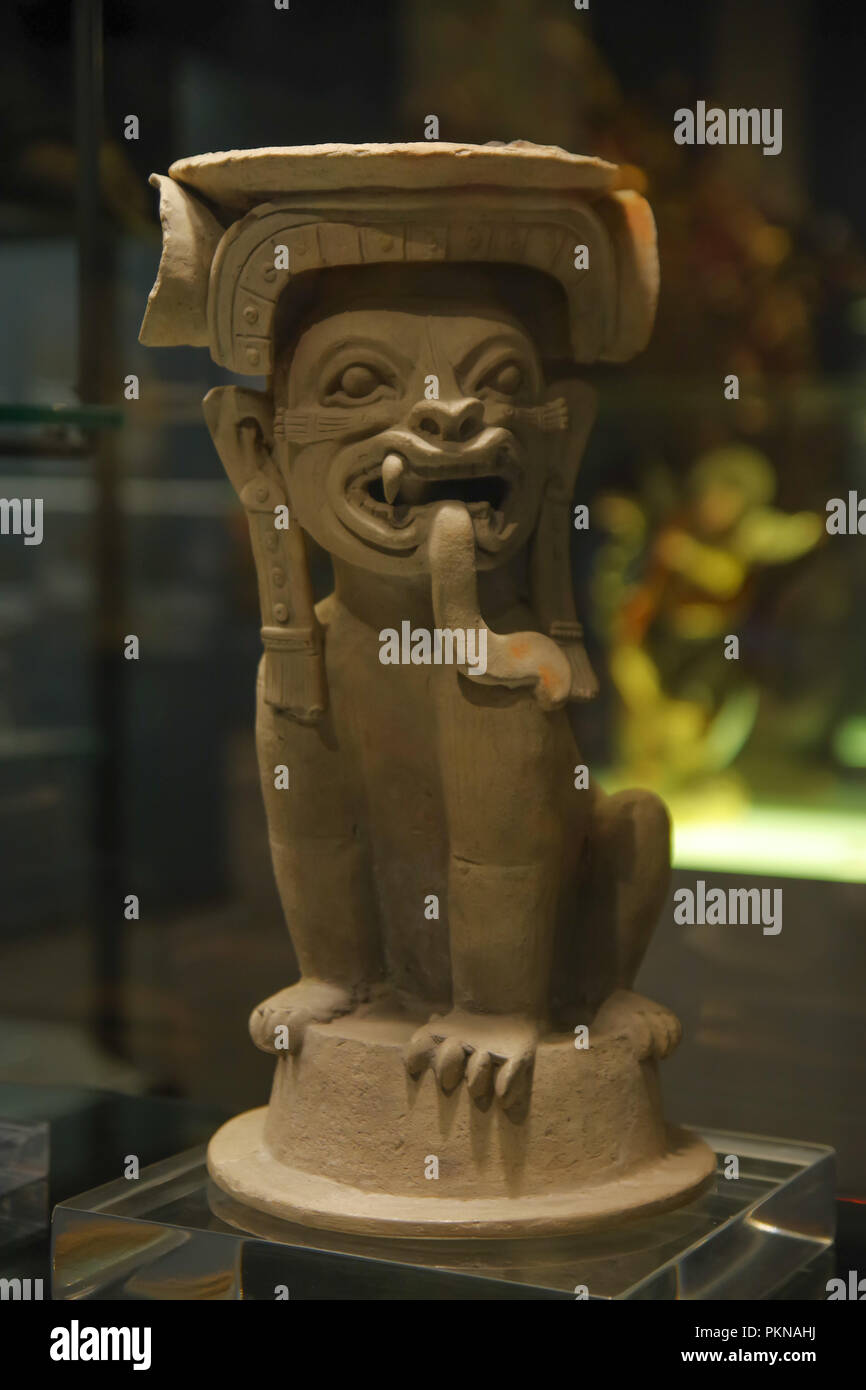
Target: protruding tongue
[[516, 659]]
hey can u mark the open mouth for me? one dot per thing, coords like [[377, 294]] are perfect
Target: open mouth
[[489, 488], [397, 493]]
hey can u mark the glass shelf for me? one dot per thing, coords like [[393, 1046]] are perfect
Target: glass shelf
[[173, 1235]]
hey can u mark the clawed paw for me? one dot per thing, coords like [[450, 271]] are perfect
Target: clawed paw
[[494, 1054], [278, 1025], [652, 1029]]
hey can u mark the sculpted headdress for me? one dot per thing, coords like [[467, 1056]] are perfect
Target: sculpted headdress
[[220, 281]]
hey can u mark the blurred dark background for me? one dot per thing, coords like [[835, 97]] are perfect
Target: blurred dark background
[[121, 778]]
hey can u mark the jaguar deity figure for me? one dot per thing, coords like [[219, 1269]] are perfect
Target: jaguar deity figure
[[446, 869]]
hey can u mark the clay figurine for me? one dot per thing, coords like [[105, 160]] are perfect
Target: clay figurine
[[463, 1052]]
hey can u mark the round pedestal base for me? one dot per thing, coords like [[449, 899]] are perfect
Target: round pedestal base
[[351, 1143], [241, 1165]]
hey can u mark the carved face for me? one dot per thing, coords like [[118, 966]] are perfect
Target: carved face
[[389, 411]]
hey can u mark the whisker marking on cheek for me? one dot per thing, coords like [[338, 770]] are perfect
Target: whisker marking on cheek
[[307, 426]]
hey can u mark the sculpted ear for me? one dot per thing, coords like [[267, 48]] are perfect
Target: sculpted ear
[[241, 426], [550, 561]]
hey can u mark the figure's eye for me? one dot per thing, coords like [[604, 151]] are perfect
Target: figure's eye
[[358, 381], [507, 378]]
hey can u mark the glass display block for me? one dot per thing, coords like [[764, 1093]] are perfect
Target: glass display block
[[24, 1160], [173, 1235]]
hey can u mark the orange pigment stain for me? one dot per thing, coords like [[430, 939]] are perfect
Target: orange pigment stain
[[519, 649]]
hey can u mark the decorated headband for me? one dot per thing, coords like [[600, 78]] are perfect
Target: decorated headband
[[238, 227]]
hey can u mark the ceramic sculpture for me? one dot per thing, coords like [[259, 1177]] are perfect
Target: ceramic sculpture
[[463, 1052]]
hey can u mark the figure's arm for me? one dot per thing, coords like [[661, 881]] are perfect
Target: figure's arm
[[241, 426]]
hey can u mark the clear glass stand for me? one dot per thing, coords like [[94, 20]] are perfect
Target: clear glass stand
[[24, 1158], [171, 1234]]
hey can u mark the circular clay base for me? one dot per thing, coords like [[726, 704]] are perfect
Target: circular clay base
[[240, 1164], [349, 1139]]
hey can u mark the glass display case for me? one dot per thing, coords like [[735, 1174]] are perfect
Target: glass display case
[[140, 919]]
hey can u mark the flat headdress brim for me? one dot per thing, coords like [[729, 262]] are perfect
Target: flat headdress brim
[[238, 180]]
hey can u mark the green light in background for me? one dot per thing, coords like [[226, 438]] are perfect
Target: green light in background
[[776, 840], [849, 742]]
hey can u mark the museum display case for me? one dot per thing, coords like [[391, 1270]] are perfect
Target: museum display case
[[500, 405]]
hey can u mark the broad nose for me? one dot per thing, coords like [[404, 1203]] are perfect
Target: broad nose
[[452, 421]]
